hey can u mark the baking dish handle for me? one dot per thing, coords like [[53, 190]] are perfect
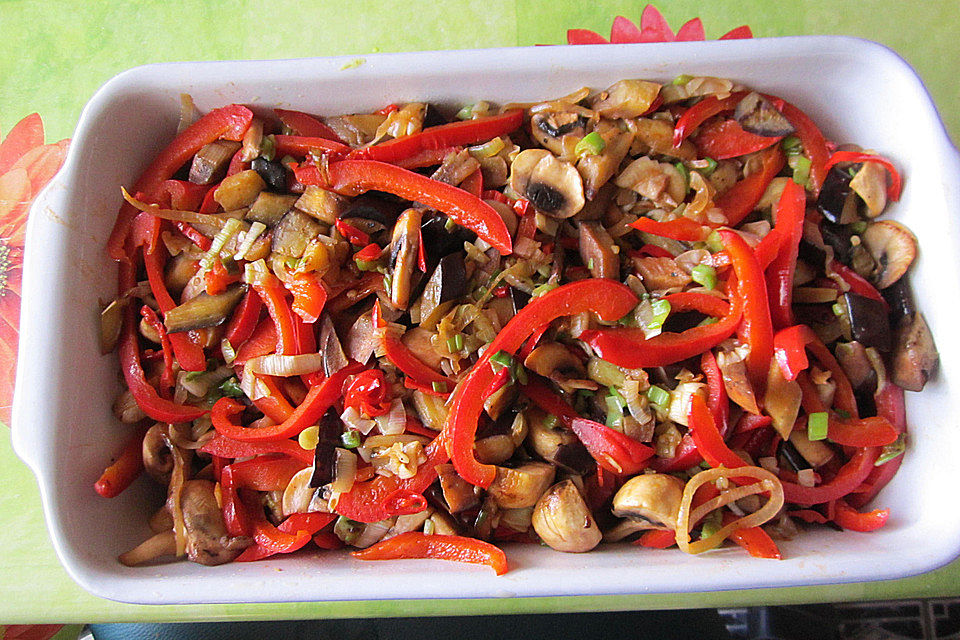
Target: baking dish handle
[[26, 438]]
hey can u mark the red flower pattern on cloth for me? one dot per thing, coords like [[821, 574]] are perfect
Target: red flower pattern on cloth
[[26, 166], [653, 28]]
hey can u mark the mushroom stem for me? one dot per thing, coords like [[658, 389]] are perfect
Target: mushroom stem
[[160, 544]]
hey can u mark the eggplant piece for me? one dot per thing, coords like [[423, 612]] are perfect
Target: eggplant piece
[[403, 257], [855, 362], [432, 116], [211, 162], [915, 358], [869, 324], [597, 249], [447, 283], [272, 172], [757, 115], [789, 452], [838, 236], [371, 207], [325, 455], [293, 233], [812, 255], [837, 201], [329, 345], [204, 310], [438, 241], [269, 208], [899, 296]]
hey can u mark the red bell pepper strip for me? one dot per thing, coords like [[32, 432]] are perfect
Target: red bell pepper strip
[[614, 451], [848, 478], [717, 400], [370, 253], [306, 125], [273, 296], [751, 421], [709, 442], [686, 455], [757, 327], [125, 469], [789, 215], [890, 405], [723, 139], [896, 183], [230, 122], [189, 354], [857, 283], [705, 303], [355, 236], [657, 539], [766, 251], [244, 319], [319, 398], [210, 204], [309, 297], [224, 447], [261, 342], [652, 251], [237, 164], [607, 298], [184, 195], [353, 177], [194, 236], [302, 146], [790, 347], [473, 183], [417, 372], [549, 400], [701, 111], [367, 393], [217, 279], [428, 158], [683, 229], [628, 347], [448, 135], [287, 537], [740, 199], [167, 380], [814, 144], [269, 472], [416, 544], [145, 395], [849, 518], [754, 540]]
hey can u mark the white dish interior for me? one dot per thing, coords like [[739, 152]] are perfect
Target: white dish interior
[[63, 427]]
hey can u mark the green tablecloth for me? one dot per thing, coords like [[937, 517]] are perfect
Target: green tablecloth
[[54, 55]]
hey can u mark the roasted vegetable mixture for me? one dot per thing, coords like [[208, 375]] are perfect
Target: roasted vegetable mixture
[[655, 315]]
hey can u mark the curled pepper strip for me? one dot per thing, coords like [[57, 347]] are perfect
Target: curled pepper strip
[[849, 518], [723, 139], [697, 114], [353, 177], [306, 125], [301, 146], [890, 405], [790, 350], [125, 469], [628, 347], [166, 377], [614, 451], [289, 536], [779, 276], [440, 137], [221, 445], [230, 122], [416, 544], [896, 183], [757, 326], [319, 398], [740, 199], [848, 478], [607, 298], [684, 229]]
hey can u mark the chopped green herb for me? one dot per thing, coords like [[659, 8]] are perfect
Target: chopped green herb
[[710, 168], [231, 388], [892, 450], [791, 145], [465, 113], [682, 168], [449, 225], [268, 147], [439, 387], [704, 275], [544, 288], [817, 424], [714, 242], [837, 309], [859, 227], [455, 343], [590, 264], [801, 169], [366, 265], [661, 310], [591, 144], [711, 524], [501, 358], [550, 421], [350, 439], [614, 410], [658, 396], [708, 321], [228, 352], [287, 160], [487, 149], [682, 79]]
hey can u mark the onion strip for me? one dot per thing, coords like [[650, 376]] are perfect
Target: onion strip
[[687, 517], [190, 217], [285, 366]]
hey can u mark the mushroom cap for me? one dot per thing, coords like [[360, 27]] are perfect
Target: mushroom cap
[[563, 521], [654, 498], [893, 247], [553, 186]]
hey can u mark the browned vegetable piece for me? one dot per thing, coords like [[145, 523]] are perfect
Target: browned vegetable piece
[[734, 372], [597, 169], [269, 208], [457, 492], [660, 273], [207, 539], [626, 99], [447, 283], [157, 459], [557, 444], [204, 310], [211, 162], [548, 127], [403, 256], [915, 357], [329, 345], [562, 520], [598, 251], [418, 341], [757, 115], [239, 190], [893, 247], [521, 487], [293, 233]]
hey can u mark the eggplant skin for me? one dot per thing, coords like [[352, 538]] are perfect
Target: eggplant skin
[[204, 310], [915, 358], [869, 322]]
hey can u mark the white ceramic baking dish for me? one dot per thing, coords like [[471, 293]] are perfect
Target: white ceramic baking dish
[[63, 427]]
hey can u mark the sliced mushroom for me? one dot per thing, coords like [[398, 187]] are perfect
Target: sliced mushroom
[[660, 182], [651, 500], [870, 184], [915, 357], [550, 184], [157, 459], [655, 137], [207, 539], [499, 400], [403, 256], [293, 233], [204, 310], [418, 340], [598, 251], [521, 487], [563, 521], [757, 115], [459, 494], [556, 444], [495, 449], [555, 361], [626, 99], [549, 127], [893, 247]]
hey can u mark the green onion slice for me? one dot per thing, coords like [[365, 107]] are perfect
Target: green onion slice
[[817, 424], [658, 396], [704, 275], [591, 144]]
